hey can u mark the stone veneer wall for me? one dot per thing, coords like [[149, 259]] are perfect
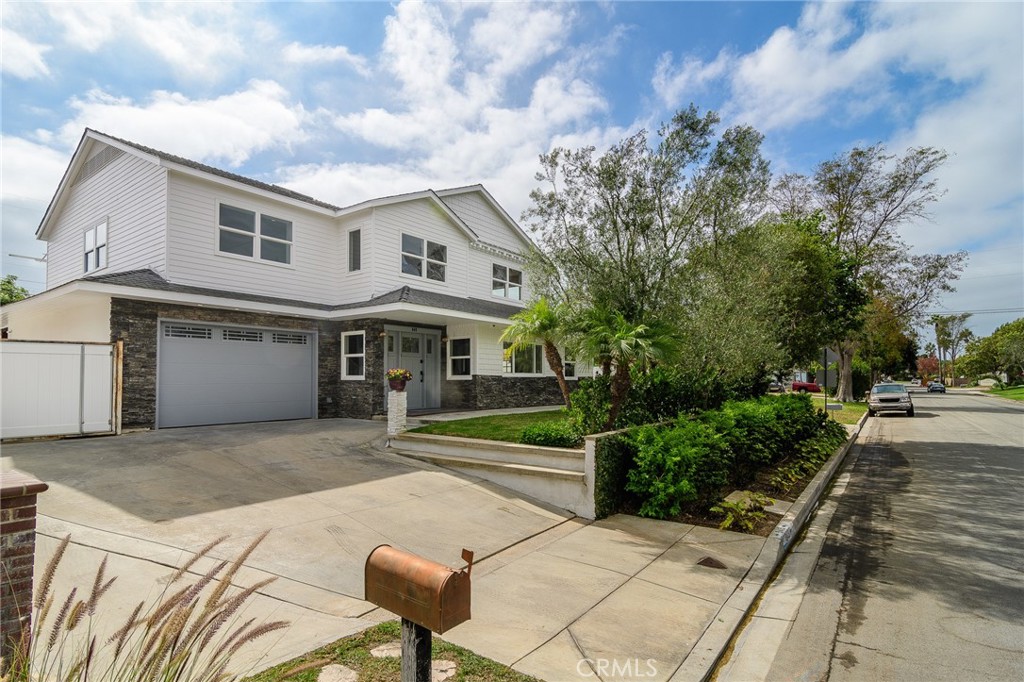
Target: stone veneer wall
[[362, 399], [18, 493], [496, 392]]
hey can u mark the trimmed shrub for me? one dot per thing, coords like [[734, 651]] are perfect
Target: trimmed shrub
[[562, 434], [677, 466], [613, 458]]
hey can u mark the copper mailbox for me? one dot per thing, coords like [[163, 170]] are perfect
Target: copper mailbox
[[417, 589]]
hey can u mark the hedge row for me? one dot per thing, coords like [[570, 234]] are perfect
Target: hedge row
[[687, 466]]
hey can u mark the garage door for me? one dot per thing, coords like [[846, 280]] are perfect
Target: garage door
[[213, 374]]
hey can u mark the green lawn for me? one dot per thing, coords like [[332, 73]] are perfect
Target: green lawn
[[1015, 393], [354, 652], [850, 414], [506, 427]]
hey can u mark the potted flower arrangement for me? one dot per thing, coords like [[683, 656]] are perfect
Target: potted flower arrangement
[[397, 377]]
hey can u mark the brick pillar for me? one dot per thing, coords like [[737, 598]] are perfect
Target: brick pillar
[[17, 554]]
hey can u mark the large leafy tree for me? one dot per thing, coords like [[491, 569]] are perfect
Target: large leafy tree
[[951, 336], [866, 195], [10, 291], [542, 322], [1000, 352], [614, 228]]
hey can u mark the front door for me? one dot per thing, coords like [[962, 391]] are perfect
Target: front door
[[417, 352]]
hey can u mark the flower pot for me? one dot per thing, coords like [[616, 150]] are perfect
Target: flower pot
[[397, 384]]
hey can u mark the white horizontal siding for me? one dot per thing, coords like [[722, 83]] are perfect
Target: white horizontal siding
[[353, 287], [423, 219], [193, 257], [476, 212], [130, 193]]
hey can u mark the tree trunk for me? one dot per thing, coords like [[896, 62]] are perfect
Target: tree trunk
[[844, 365], [621, 383], [555, 363]]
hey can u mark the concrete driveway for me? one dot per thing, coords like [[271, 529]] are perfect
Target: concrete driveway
[[324, 493], [554, 596]]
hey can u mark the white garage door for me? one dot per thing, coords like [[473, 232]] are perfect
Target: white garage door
[[214, 374]]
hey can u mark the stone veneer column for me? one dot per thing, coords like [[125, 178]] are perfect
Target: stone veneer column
[[17, 554], [398, 402]]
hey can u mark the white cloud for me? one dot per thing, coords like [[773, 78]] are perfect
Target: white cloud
[[297, 53], [515, 36], [227, 129], [674, 83], [20, 57], [30, 171]]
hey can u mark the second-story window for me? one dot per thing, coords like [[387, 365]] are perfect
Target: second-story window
[[355, 250], [506, 282], [96, 247], [422, 258], [254, 235]]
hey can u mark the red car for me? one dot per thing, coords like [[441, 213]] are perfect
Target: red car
[[805, 387]]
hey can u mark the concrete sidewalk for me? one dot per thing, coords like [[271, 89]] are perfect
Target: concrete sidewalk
[[553, 596]]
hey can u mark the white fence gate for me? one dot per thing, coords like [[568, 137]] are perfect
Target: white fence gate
[[58, 388]]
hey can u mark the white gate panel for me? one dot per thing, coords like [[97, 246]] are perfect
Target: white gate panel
[[55, 389]]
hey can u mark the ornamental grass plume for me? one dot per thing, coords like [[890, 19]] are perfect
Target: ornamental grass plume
[[190, 634]]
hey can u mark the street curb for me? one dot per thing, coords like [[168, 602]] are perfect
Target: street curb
[[708, 650]]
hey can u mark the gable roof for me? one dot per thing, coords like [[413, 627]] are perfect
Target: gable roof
[[90, 136]]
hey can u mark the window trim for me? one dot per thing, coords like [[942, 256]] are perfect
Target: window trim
[[424, 258], [469, 356], [257, 236], [345, 376], [510, 363], [100, 249], [507, 282]]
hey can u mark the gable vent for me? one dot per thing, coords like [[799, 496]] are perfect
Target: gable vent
[[97, 162], [286, 337], [243, 335], [181, 331]]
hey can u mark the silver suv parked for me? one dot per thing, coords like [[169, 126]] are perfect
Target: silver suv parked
[[889, 398]]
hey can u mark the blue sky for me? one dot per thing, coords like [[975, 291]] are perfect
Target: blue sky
[[348, 101]]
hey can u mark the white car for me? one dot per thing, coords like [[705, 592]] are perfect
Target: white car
[[890, 398]]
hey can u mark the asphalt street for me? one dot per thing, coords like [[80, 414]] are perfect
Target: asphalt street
[[920, 574]]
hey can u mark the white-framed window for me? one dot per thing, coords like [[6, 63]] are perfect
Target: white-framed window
[[506, 282], [355, 250], [459, 359], [353, 355], [569, 367], [527, 360], [96, 247], [422, 258], [250, 234]]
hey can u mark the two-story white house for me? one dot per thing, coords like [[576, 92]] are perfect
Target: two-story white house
[[242, 301]]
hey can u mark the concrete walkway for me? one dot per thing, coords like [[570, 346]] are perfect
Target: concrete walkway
[[553, 596]]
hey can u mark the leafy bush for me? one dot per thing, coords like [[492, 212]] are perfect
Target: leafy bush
[[745, 514], [561, 434], [687, 465], [613, 458], [677, 466]]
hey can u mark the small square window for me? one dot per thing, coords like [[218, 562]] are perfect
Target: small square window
[[506, 282]]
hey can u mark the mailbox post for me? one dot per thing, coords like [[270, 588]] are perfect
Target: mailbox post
[[429, 597]]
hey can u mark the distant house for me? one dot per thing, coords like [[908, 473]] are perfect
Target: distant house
[[243, 301]]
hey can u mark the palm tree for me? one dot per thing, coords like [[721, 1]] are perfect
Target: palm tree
[[545, 323], [614, 341]]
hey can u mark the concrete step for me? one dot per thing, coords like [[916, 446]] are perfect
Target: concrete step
[[542, 458]]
